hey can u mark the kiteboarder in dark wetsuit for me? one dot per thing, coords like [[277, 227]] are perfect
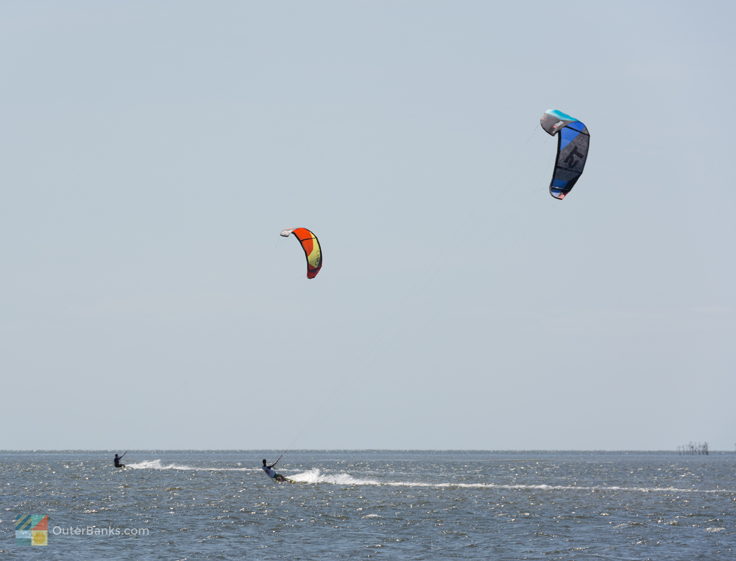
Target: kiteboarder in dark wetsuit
[[116, 460], [271, 473]]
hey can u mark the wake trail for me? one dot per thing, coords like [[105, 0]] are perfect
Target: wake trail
[[157, 465], [315, 476]]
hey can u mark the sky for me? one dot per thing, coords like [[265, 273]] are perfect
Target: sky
[[151, 152]]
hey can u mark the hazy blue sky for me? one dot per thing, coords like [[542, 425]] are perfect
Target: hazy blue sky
[[151, 152]]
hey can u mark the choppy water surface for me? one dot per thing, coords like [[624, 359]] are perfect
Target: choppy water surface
[[373, 505]]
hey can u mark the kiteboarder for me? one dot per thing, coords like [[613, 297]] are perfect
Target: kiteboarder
[[116, 460], [271, 473]]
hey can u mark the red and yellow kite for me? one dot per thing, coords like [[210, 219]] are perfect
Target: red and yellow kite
[[311, 247]]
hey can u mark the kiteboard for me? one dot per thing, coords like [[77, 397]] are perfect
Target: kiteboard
[[281, 479]]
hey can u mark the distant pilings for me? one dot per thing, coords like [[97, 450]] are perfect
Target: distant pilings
[[693, 448]]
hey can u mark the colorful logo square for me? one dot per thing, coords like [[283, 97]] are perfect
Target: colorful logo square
[[32, 529]]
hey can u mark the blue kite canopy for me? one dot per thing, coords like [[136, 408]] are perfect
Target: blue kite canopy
[[572, 150]]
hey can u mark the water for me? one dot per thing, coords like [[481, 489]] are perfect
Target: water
[[373, 505]]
